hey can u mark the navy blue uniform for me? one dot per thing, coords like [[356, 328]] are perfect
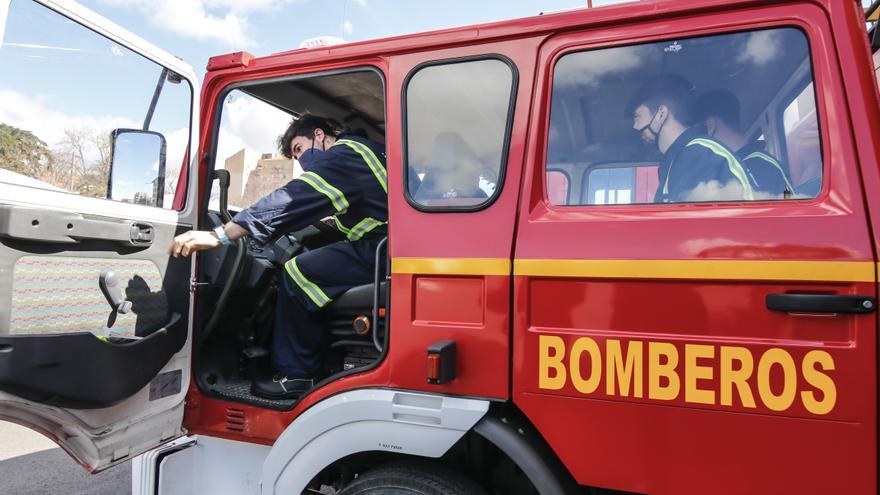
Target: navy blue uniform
[[348, 182], [693, 159], [766, 173]]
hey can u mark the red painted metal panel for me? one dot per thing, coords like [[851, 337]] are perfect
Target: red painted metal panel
[[433, 306], [482, 349], [628, 443], [675, 443]]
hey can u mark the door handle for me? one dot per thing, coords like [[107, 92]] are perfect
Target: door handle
[[141, 234], [820, 303], [49, 225]]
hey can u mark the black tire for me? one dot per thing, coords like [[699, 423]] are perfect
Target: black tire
[[412, 478]]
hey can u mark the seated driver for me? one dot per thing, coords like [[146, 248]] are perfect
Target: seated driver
[[345, 177]]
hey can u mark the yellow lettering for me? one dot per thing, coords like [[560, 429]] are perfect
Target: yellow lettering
[[783, 359], [738, 377], [664, 369], [693, 372], [623, 372], [548, 361], [819, 380], [590, 384]]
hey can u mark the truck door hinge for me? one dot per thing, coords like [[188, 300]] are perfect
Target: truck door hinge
[[194, 284]]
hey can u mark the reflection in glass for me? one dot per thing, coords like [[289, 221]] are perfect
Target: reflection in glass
[[69, 89], [456, 121], [138, 168], [750, 92]]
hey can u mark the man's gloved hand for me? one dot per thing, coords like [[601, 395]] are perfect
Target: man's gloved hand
[[194, 240]]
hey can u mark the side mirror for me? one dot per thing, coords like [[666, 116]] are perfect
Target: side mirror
[[137, 167]]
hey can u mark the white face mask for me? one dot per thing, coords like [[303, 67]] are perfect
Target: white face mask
[[647, 133]]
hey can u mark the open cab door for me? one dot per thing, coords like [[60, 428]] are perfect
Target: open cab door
[[96, 128]]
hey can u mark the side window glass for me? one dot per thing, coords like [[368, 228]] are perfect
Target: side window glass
[[802, 141], [456, 132], [558, 186], [84, 115], [629, 184], [688, 120], [248, 148]]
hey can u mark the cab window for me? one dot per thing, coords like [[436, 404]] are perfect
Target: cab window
[[77, 103], [456, 134], [558, 186], [247, 147], [718, 118]]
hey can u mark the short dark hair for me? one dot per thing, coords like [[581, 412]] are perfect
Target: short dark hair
[[719, 103], [305, 126], [671, 90]]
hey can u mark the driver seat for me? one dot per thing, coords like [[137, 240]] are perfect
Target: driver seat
[[358, 298]]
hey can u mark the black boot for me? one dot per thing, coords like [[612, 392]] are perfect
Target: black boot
[[281, 387]]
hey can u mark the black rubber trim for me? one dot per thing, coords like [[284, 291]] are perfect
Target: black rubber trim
[[820, 303], [157, 466], [80, 371], [517, 438]]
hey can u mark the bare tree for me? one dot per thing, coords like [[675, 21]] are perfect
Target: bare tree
[[82, 161]]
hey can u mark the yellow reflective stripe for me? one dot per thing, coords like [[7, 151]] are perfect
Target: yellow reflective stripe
[[319, 184], [772, 161], [370, 158], [363, 227], [360, 229], [821, 271], [451, 266], [733, 164], [313, 291], [341, 227]]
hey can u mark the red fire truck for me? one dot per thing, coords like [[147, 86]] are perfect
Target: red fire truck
[[545, 325]]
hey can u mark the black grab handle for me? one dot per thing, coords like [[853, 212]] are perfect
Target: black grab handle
[[820, 303]]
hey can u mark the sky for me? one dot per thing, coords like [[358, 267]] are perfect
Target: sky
[[197, 29], [69, 78]]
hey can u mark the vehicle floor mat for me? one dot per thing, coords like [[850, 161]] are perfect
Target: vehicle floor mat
[[238, 389]]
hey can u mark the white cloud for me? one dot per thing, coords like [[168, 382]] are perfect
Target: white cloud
[[361, 3], [762, 47], [244, 5], [48, 47], [714, 191], [175, 147], [588, 68], [223, 21], [251, 124], [347, 27], [115, 50], [37, 116]]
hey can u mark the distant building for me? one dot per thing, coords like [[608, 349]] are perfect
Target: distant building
[[239, 166], [158, 191], [253, 176], [142, 198]]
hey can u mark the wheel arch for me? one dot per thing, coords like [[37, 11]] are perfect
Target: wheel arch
[[365, 420], [511, 432]]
